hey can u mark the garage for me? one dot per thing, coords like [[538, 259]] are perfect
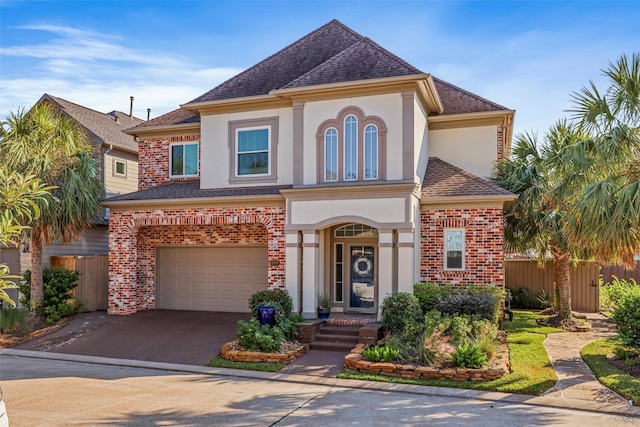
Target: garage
[[209, 278]]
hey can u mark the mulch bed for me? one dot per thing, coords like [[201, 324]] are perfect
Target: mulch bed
[[634, 371]]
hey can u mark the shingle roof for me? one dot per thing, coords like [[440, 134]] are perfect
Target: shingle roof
[[333, 53], [443, 179], [103, 126], [191, 189]]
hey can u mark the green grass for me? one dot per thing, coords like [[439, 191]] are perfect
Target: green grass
[[532, 372], [11, 318], [595, 355], [221, 362]]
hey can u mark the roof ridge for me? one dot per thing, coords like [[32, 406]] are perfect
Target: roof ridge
[[289, 46], [473, 95]]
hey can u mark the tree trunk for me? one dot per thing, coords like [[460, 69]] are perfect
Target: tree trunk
[[563, 283], [37, 286]]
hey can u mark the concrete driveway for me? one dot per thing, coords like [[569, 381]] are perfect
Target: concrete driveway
[[173, 336]]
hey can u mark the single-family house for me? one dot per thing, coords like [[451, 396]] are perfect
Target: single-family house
[[116, 154], [333, 167]]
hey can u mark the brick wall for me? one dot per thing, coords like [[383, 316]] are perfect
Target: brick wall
[[134, 235], [153, 160], [484, 250]]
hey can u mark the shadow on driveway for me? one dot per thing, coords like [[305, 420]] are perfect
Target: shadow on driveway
[[172, 336]]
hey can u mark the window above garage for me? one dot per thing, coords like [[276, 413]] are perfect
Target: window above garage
[[252, 150]]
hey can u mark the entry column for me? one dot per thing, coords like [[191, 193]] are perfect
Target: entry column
[[385, 267], [293, 258], [406, 260], [310, 273]]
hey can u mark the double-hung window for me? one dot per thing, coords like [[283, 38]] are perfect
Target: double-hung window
[[454, 249], [252, 151], [183, 160]]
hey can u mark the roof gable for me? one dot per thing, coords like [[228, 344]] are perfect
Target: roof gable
[[107, 128]]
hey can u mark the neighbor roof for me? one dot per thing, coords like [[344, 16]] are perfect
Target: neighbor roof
[[333, 53], [106, 128], [443, 179]]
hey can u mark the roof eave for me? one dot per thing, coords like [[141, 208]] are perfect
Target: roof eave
[[163, 129], [197, 107], [502, 118], [466, 200], [119, 205]]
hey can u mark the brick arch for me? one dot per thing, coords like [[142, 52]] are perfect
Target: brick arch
[[178, 219]]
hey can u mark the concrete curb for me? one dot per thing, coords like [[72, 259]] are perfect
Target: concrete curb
[[554, 402]]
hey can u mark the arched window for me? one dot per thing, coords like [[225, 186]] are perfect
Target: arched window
[[350, 148], [371, 152], [331, 155]]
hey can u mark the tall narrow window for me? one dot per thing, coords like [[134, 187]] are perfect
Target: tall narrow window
[[338, 282], [184, 160], [331, 155], [454, 249], [350, 148], [253, 152], [371, 152]]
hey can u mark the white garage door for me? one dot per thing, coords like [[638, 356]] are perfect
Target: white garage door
[[209, 279]]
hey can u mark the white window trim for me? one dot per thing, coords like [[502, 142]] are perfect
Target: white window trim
[[337, 155], [364, 150], [197, 144], [115, 168], [464, 248], [269, 153], [344, 172]]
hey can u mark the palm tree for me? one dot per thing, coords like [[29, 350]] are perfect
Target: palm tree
[[545, 184], [607, 213], [50, 146], [18, 197]]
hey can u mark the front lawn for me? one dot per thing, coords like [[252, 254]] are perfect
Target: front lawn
[[595, 355], [531, 370]]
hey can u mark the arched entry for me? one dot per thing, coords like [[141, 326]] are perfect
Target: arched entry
[[355, 267]]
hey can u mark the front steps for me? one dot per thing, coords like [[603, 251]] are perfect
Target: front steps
[[341, 338]]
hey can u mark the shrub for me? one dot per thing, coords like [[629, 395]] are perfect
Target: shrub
[[399, 310], [253, 336], [627, 318], [469, 356], [57, 284], [383, 353], [544, 300], [427, 294], [614, 292], [485, 306], [522, 298], [280, 296], [11, 318]]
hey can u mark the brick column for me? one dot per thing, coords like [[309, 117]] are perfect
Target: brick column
[[123, 254]]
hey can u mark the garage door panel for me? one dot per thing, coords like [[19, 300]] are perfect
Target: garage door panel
[[209, 278]]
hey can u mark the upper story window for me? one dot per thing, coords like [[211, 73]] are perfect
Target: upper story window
[[252, 151], [351, 147], [183, 160], [454, 249], [119, 168]]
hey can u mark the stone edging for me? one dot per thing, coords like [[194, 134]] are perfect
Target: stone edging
[[355, 362], [7, 340], [256, 356]]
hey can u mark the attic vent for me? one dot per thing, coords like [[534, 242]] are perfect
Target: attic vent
[[117, 119]]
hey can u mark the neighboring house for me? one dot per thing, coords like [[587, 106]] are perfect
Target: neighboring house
[[331, 167], [116, 154]]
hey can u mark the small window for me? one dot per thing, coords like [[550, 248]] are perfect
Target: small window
[[184, 160], [119, 168], [454, 249], [252, 151], [356, 230], [331, 155]]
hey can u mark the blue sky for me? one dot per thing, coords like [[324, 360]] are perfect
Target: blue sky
[[528, 56]]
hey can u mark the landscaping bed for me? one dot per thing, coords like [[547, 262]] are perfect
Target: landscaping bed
[[288, 352], [498, 367]]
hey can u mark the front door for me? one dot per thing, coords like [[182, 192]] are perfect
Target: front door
[[362, 278]]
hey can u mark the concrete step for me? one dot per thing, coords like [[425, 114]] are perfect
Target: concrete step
[[340, 330], [322, 336], [332, 346]]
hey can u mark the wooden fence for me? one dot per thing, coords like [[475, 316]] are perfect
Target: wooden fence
[[620, 272], [584, 281], [93, 288]]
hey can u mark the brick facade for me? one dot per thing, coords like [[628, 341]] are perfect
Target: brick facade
[[484, 250], [134, 236], [153, 160]]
